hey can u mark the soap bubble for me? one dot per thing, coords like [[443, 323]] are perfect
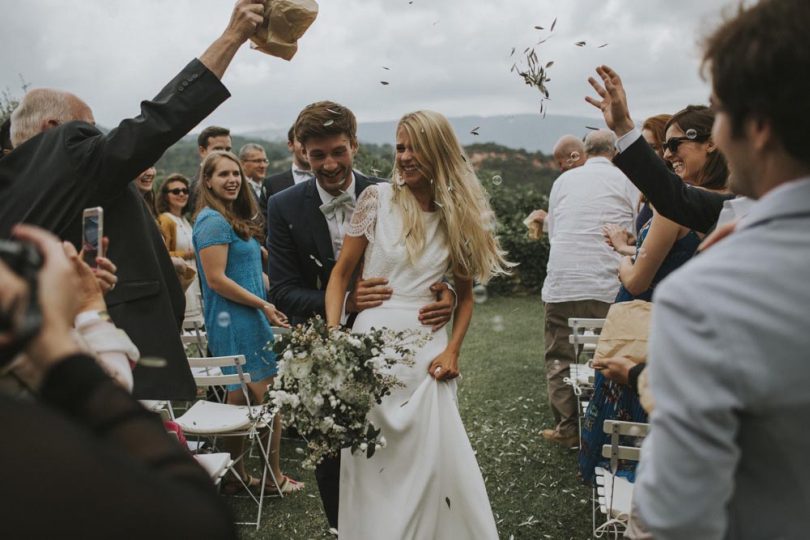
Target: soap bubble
[[497, 180], [480, 295], [224, 319]]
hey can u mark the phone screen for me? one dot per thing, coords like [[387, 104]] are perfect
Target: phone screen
[[92, 231]]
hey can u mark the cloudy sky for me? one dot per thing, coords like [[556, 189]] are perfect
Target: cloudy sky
[[449, 55]]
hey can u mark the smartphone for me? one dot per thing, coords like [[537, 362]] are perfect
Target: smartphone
[[92, 233]]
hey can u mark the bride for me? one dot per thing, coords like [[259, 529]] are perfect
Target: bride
[[433, 219]]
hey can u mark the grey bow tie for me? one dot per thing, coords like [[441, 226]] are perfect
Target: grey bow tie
[[340, 207]]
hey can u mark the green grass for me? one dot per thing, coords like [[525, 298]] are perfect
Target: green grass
[[531, 484]]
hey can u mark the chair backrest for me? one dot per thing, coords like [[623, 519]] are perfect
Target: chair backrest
[[583, 334], [207, 371], [615, 451], [194, 336], [280, 331]]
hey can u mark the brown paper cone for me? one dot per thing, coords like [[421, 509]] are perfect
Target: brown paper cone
[[285, 21]]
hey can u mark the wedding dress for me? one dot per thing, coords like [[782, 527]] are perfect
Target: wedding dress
[[425, 484]]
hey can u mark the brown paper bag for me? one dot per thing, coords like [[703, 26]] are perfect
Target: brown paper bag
[[285, 21], [626, 331]]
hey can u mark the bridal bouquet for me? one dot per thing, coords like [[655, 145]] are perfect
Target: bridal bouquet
[[329, 379]]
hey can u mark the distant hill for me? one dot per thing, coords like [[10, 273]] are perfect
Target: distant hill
[[527, 131]]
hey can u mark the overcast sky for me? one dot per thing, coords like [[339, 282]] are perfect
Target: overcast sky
[[452, 56]]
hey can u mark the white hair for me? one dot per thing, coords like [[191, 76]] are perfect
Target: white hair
[[250, 147], [38, 106], [600, 143]]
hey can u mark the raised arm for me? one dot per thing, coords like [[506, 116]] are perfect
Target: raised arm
[[695, 209]]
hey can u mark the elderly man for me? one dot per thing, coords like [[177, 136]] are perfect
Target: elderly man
[[728, 355], [581, 280], [62, 163], [569, 153], [254, 164]]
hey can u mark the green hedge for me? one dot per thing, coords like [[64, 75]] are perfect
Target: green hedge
[[512, 202]]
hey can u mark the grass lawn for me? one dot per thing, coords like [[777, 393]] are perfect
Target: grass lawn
[[532, 485]]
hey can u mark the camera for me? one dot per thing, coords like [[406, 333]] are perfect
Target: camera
[[24, 260]]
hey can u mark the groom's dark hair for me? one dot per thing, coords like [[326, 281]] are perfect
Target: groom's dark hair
[[325, 119], [759, 63]]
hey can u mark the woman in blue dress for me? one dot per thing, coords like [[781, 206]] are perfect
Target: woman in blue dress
[[238, 318], [662, 247]]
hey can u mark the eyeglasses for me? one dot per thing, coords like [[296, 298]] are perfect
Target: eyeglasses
[[256, 161], [673, 143], [178, 191]]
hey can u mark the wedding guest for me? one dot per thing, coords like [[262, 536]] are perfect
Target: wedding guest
[[254, 162], [581, 278], [298, 172], [237, 316], [433, 218], [569, 153], [210, 139], [59, 151], [144, 182], [177, 233], [725, 457], [654, 131], [306, 224], [5, 138], [114, 444]]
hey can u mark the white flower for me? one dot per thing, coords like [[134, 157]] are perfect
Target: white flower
[[381, 442], [288, 355], [363, 447]]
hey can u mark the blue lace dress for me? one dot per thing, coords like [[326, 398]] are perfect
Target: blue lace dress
[[235, 328], [613, 401]]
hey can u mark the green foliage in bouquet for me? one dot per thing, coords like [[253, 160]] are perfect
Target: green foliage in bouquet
[[328, 380]]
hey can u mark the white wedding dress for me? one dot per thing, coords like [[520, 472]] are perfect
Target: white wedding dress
[[425, 484]]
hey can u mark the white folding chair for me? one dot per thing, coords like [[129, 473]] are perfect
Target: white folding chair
[[584, 338], [613, 494], [212, 419]]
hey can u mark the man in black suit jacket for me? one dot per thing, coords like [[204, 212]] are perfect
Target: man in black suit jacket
[[305, 228], [691, 207], [62, 163], [297, 173]]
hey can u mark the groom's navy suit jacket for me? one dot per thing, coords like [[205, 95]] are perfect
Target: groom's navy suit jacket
[[301, 256]]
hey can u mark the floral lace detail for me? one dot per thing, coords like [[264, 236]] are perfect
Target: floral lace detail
[[364, 218]]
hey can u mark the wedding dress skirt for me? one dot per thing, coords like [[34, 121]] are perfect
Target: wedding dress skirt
[[425, 484]]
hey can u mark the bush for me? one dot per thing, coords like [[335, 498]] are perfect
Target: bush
[[512, 203]]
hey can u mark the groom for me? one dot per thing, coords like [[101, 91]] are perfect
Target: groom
[[305, 228]]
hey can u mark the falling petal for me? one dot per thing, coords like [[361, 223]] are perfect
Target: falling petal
[[386, 68], [152, 362], [548, 65], [474, 131], [319, 263], [384, 83], [538, 27], [513, 52], [332, 111], [580, 43], [328, 123], [447, 500], [602, 45], [593, 128], [553, 24]]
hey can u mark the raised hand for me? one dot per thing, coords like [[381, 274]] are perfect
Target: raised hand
[[612, 102], [246, 17], [90, 285]]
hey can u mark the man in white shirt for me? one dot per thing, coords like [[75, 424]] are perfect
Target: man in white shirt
[[728, 353], [581, 280], [254, 164]]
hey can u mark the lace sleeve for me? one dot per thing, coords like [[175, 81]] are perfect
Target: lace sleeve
[[364, 218]]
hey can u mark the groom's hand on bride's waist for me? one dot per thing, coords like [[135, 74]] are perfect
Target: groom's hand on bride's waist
[[368, 293], [437, 314]]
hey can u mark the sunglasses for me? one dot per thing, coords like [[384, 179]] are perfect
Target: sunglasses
[[178, 191], [673, 143]]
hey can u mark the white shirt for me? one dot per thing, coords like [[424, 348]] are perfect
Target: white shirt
[[581, 265], [300, 175], [337, 227], [728, 368], [256, 187]]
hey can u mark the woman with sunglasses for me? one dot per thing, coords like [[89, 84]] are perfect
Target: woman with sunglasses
[[171, 204], [662, 247], [238, 317], [662, 244]]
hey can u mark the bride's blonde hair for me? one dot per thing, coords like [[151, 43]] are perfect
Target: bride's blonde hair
[[462, 203]]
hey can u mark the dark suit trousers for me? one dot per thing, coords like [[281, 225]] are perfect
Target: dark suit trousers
[[327, 473]]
